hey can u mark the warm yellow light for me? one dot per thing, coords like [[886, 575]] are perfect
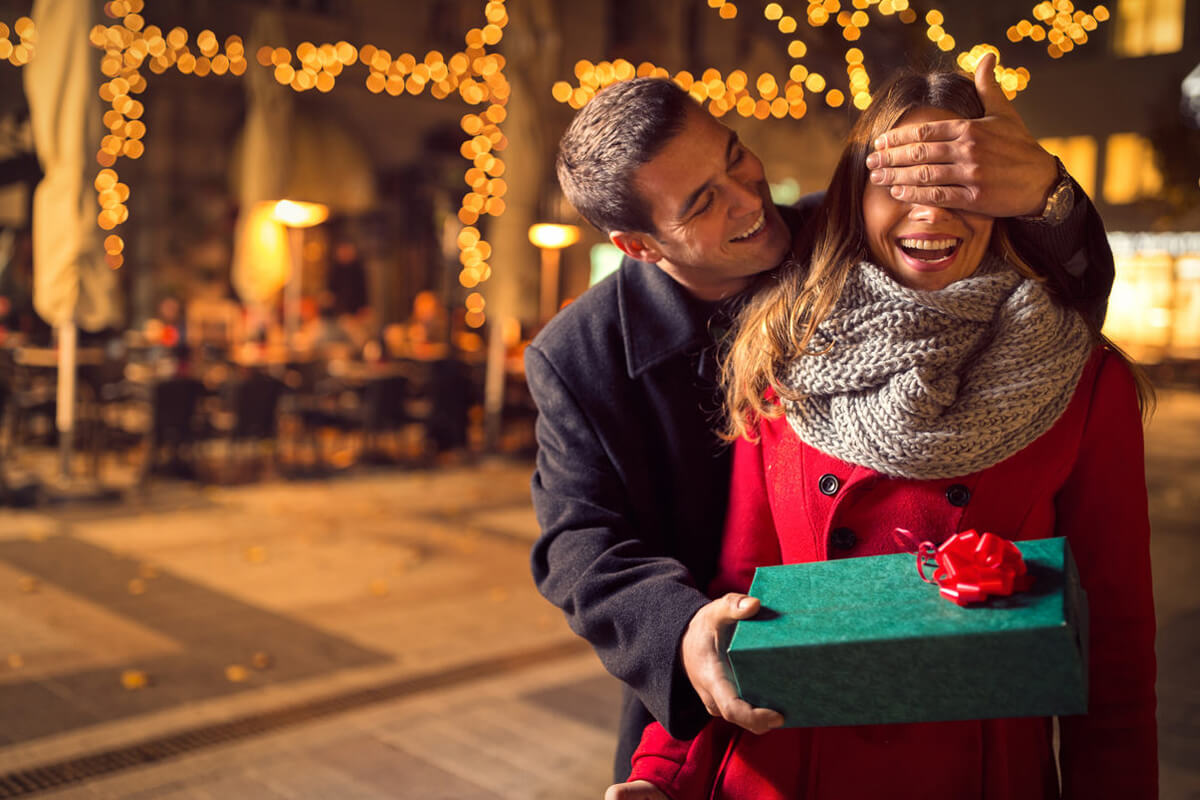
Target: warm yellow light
[[553, 237], [297, 214]]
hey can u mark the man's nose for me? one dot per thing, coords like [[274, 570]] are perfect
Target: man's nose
[[745, 197]]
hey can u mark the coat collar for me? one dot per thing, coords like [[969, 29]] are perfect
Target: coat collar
[[659, 318]]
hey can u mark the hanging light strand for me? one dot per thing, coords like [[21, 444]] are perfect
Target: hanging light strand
[[474, 74]]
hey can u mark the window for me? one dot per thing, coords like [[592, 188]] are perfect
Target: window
[[1078, 154], [1139, 308], [1148, 27], [1130, 171]]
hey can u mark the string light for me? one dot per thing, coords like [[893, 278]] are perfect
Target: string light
[[1057, 21], [474, 74], [1060, 24], [22, 51]]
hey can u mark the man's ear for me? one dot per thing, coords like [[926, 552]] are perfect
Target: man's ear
[[637, 246]]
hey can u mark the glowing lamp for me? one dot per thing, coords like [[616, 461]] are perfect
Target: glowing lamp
[[297, 214], [550, 239], [549, 236]]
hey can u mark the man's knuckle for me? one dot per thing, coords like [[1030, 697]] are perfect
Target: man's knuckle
[[920, 152]]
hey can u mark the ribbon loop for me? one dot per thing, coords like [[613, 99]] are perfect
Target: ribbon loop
[[971, 567]]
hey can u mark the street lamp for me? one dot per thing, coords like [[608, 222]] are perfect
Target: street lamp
[[550, 238], [297, 216]]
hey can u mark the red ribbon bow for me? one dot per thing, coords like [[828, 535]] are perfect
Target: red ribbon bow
[[970, 567]]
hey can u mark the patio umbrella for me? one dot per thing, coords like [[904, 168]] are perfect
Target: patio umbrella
[[72, 284], [285, 154]]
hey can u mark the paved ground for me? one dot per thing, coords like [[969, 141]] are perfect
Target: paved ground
[[373, 636]]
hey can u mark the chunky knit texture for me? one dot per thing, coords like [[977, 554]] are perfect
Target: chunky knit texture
[[924, 385]]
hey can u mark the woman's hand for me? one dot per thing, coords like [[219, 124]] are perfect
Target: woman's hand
[[634, 790]]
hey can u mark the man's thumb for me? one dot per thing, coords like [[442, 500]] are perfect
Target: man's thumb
[[744, 605], [989, 89]]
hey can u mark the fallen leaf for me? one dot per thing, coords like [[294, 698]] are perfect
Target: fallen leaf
[[133, 679]]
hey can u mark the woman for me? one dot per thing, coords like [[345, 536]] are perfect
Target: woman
[[918, 377]]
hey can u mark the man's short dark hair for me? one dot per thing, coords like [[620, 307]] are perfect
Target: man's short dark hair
[[620, 129]]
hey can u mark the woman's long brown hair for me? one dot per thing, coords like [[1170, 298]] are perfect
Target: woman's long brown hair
[[778, 322]]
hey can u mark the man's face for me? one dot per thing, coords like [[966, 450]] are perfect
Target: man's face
[[714, 223]]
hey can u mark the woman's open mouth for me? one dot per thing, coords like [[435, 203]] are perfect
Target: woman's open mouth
[[929, 253]]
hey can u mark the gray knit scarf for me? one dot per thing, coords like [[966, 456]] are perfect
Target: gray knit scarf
[[936, 384]]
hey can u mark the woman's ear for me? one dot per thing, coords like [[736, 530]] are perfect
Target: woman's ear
[[637, 246]]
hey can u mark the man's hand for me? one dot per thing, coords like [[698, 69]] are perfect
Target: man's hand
[[703, 651], [991, 165], [634, 790]]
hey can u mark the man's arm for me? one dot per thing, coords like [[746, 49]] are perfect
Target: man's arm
[[613, 580], [994, 166], [1074, 255]]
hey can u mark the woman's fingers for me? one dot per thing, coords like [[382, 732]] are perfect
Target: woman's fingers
[[634, 790]]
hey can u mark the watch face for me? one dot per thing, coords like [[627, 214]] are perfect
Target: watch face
[[1061, 201]]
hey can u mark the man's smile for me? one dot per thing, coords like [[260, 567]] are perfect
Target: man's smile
[[758, 225]]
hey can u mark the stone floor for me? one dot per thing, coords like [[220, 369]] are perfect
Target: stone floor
[[374, 635]]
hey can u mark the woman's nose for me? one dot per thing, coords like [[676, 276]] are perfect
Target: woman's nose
[[928, 213]]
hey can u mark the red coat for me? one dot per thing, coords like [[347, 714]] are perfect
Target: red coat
[[1083, 479]]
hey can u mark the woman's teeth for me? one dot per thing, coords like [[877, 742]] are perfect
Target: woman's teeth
[[762, 218], [929, 250]]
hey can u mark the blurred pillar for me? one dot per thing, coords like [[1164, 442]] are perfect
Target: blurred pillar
[[531, 47], [73, 286]]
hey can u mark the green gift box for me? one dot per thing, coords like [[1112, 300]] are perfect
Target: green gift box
[[863, 641]]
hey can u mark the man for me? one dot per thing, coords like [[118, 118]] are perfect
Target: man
[[631, 481]]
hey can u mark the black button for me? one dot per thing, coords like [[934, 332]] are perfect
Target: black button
[[843, 538], [829, 484], [958, 495]]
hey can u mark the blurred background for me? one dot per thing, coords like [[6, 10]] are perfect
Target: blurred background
[[266, 273]]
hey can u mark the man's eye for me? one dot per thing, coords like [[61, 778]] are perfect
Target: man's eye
[[737, 156], [708, 201]]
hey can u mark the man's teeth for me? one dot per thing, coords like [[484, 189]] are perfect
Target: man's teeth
[[762, 218]]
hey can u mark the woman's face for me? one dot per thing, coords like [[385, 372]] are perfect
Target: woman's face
[[923, 247]]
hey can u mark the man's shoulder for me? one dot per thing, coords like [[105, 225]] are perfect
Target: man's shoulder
[[588, 327], [595, 313]]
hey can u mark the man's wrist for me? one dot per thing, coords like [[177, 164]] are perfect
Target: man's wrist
[[1060, 200]]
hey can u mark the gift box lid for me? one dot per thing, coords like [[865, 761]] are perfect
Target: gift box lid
[[884, 597], [833, 636]]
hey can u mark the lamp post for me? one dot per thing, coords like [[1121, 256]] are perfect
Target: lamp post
[[296, 216], [550, 239]]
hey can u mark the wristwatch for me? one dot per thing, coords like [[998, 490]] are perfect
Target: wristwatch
[[1059, 204]]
